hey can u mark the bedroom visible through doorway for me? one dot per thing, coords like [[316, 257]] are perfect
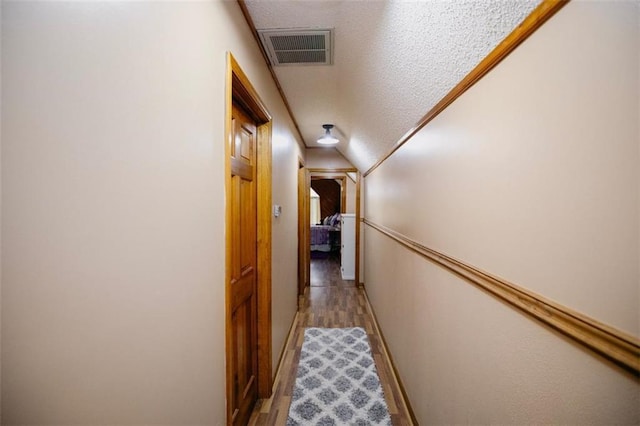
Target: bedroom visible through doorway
[[332, 197]]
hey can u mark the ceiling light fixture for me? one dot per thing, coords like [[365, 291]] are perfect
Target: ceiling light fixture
[[328, 138]]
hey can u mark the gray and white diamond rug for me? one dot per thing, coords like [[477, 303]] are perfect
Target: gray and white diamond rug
[[337, 382]]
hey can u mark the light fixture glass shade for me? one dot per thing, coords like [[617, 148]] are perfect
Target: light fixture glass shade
[[328, 138]]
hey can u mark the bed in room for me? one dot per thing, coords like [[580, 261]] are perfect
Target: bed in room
[[325, 237]]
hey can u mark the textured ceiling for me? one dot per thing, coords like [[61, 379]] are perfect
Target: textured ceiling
[[393, 61]]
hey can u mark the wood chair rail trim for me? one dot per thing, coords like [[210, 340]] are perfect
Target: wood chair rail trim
[[536, 18], [615, 345]]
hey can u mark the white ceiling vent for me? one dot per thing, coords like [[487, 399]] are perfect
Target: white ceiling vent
[[298, 47]]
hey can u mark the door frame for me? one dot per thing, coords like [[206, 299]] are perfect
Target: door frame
[[303, 229], [307, 243], [240, 89]]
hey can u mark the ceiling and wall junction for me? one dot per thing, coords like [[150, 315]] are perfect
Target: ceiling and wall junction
[[392, 62]]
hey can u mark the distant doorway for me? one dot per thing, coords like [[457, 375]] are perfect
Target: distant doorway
[[324, 242]]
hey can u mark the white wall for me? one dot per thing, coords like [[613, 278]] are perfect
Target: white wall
[[532, 175], [113, 209]]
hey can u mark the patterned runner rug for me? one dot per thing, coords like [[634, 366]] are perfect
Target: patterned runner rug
[[337, 382]]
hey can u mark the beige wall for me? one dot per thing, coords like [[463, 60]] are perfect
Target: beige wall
[[286, 151], [113, 210], [351, 195], [532, 175], [328, 158]]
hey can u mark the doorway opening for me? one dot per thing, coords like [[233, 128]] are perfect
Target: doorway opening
[[332, 220]]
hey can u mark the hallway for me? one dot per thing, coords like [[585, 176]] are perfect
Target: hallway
[[489, 152], [329, 302]]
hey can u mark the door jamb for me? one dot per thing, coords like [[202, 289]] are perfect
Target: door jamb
[[240, 89], [303, 228]]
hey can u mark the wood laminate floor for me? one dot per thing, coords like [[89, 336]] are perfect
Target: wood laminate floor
[[329, 302]]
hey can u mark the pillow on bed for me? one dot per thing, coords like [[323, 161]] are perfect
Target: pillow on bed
[[335, 220]]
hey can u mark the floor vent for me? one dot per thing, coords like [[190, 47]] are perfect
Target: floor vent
[[298, 47]]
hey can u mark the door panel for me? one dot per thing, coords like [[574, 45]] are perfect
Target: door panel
[[243, 298]]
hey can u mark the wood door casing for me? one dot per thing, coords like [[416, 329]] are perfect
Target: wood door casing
[[240, 91], [303, 225], [243, 279]]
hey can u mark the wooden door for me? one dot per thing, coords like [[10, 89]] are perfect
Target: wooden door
[[243, 354]]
